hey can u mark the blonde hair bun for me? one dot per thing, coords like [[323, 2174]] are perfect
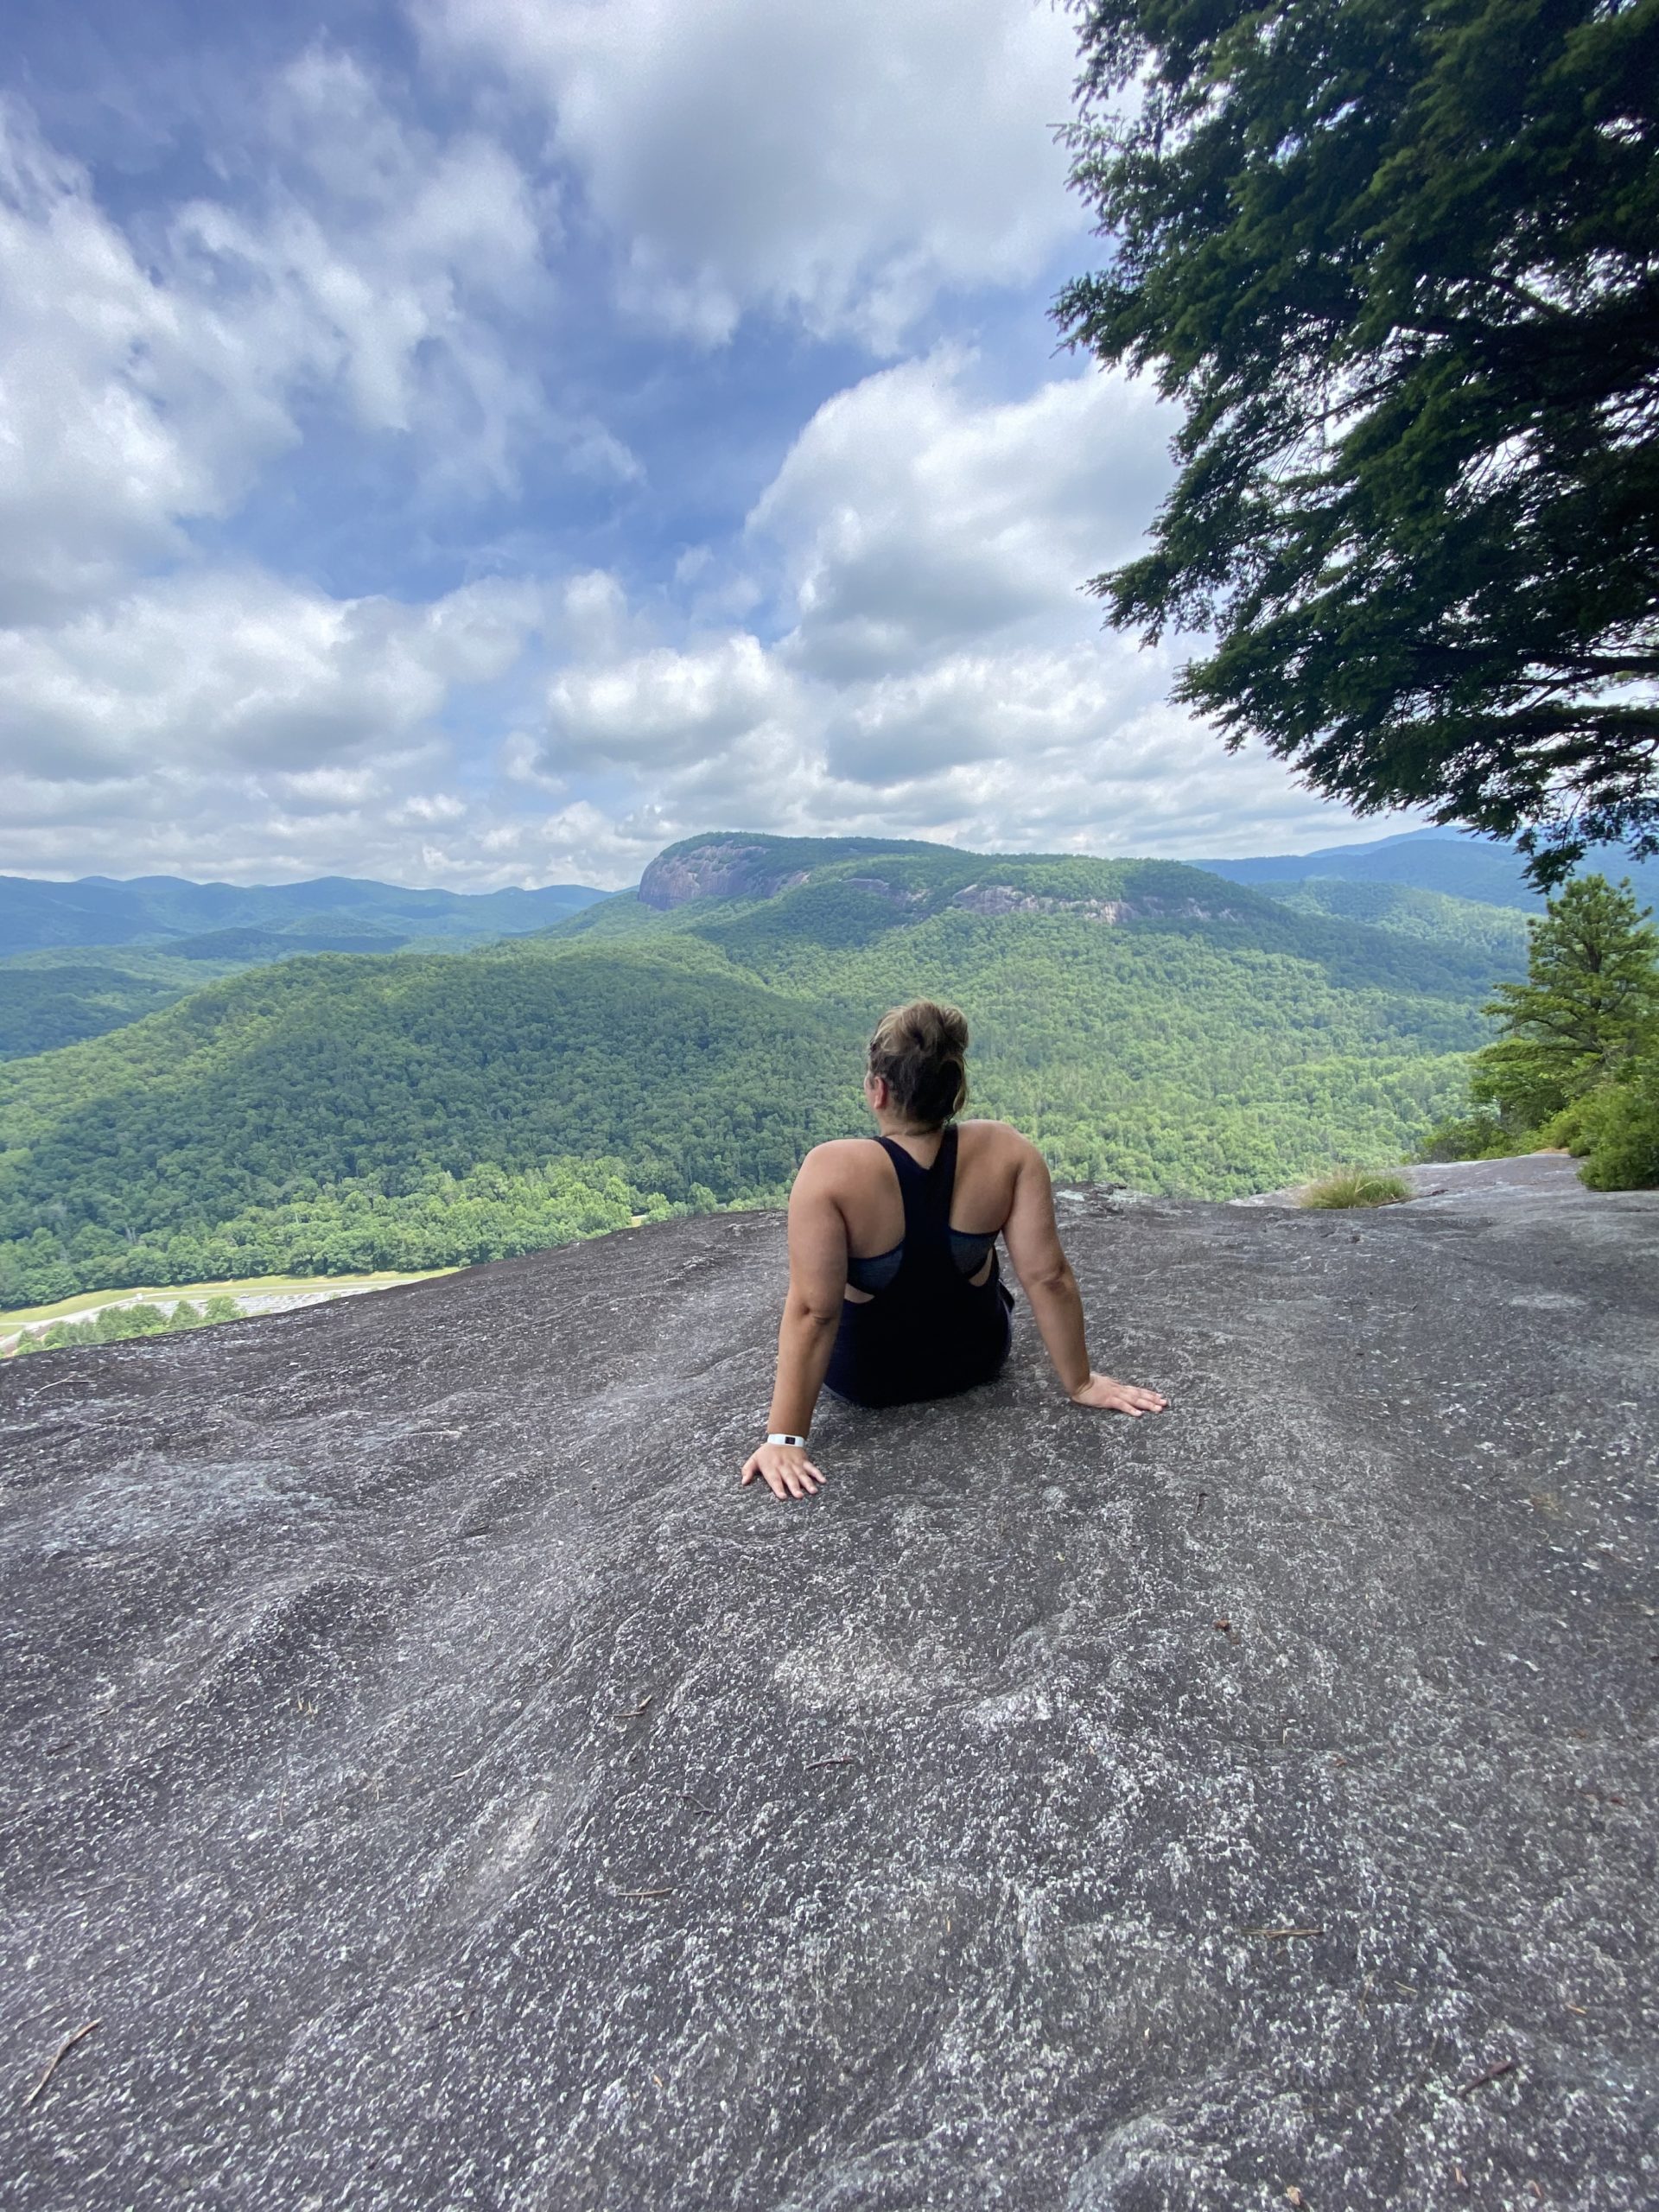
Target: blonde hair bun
[[921, 1051]]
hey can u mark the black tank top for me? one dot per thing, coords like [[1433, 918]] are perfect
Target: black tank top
[[930, 1332]]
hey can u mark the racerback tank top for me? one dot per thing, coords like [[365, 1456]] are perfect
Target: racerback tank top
[[930, 1332]]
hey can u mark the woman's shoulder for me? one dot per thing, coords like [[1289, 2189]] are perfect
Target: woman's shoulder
[[835, 1158], [991, 1138]]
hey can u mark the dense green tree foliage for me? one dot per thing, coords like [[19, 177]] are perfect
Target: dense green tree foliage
[[355, 1227], [1574, 1060], [58, 994], [1616, 1129], [115, 1324], [1400, 266], [1589, 1003], [1487, 943], [1145, 1022], [274, 1085], [42, 1007]]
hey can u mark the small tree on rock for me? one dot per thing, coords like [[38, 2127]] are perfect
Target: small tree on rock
[[1589, 1005], [1580, 1038]]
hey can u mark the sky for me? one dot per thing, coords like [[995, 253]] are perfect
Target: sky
[[472, 442]]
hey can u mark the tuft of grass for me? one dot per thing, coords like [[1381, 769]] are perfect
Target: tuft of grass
[[1358, 1186]]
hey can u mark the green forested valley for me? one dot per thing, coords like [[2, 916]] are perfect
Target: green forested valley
[[45, 1006], [1143, 1021], [1493, 939], [60, 996], [80, 959]]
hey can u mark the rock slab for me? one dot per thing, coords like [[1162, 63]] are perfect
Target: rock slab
[[447, 1788]]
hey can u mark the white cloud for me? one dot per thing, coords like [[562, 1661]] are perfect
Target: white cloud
[[841, 164], [371, 257], [241, 726], [665, 707], [236, 831], [937, 669], [427, 809], [1040, 708], [1083, 767], [912, 517], [364, 262], [243, 671], [594, 621], [326, 790], [114, 424], [896, 639]]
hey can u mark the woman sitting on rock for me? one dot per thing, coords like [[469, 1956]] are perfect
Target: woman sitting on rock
[[894, 1289]]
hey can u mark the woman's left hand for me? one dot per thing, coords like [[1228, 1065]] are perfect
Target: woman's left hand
[[784, 1469]]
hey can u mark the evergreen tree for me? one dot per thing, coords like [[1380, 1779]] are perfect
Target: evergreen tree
[[1588, 1005], [1399, 264]]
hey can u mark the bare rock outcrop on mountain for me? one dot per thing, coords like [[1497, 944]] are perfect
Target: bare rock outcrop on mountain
[[717, 868], [446, 1788], [1006, 899]]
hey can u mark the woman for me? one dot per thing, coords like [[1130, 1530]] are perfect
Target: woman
[[894, 1289]]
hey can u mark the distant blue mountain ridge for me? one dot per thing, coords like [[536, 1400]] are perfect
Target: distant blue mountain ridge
[[1448, 860], [334, 913], [239, 924]]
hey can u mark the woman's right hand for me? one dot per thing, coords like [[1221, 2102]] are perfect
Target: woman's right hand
[[1108, 1397]]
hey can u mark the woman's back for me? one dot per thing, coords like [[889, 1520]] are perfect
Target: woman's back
[[894, 1293], [864, 1180], [929, 1316]]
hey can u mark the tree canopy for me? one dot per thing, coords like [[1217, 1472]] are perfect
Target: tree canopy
[[1402, 267]]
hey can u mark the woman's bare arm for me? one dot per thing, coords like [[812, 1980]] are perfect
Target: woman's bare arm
[[1045, 1276], [817, 1280]]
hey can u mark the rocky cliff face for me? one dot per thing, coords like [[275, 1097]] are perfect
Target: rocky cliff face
[[447, 1789], [723, 868], [1004, 898]]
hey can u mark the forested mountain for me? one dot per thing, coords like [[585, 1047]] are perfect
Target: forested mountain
[[60, 980], [48, 1000], [1143, 1021], [165, 910], [1494, 937], [65, 993], [1392, 883]]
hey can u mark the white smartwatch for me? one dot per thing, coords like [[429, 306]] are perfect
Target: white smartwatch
[[778, 1437]]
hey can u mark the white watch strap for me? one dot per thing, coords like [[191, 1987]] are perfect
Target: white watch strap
[[779, 1436]]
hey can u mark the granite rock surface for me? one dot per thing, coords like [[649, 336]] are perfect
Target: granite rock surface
[[446, 1788], [716, 867]]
